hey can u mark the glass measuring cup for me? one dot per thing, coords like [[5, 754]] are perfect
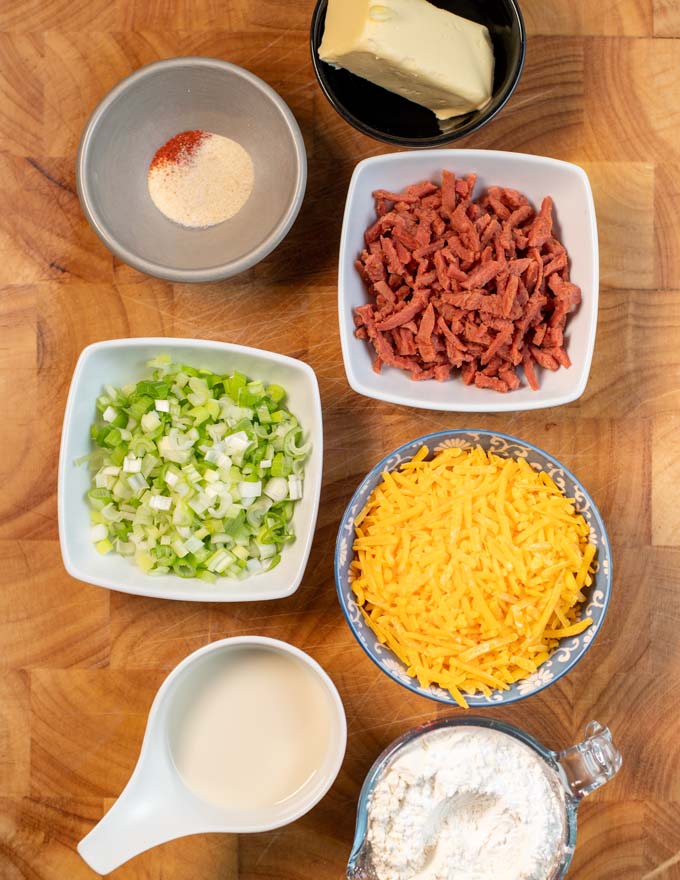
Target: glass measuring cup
[[581, 769], [157, 805]]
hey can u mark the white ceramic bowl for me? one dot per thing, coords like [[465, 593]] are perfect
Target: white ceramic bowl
[[119, 361], [575, 223]]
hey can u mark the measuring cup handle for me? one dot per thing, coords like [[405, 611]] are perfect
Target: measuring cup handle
[[136, 822], [591, 763]]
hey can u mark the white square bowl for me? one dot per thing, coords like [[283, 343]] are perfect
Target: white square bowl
[[575, 226], [120, 361]]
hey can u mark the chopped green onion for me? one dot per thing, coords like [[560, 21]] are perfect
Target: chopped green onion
[[195, 473]]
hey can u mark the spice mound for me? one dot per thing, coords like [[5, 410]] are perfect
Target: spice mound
[[467, 802], [471, 567], [199, 179], [477, 286]]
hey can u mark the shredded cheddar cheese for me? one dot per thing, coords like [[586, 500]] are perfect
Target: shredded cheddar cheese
[[471, 568]]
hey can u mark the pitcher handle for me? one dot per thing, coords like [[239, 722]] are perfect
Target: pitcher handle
[[591, 763], [139, 819]]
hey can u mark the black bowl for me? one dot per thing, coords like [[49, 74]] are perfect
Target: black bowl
[[395, 120]]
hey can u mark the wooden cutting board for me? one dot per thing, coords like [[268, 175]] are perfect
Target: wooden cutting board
[[80, 665]]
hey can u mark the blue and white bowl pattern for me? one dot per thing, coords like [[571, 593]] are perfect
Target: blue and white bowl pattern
[[570, 650]]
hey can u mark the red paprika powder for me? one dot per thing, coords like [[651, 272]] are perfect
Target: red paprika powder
[[179, 148]]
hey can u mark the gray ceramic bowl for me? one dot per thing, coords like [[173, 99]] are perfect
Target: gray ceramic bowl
[[144, 111]]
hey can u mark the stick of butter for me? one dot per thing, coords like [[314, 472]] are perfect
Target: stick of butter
[[410, 47]]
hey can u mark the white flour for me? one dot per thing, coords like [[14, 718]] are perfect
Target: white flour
[[467, 803]]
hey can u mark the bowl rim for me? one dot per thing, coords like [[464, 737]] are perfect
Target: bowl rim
[[197, 593], [221, 271], [506, 403], [433, 141], [415, 688]]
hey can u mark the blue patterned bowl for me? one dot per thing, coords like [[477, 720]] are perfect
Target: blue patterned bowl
[[570, 650]]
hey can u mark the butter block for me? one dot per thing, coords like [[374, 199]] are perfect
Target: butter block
[[411, 47]]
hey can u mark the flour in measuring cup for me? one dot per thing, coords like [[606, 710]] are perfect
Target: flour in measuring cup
[[467, 803]]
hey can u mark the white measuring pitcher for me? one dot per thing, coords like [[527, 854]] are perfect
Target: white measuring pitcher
[[156, 805]]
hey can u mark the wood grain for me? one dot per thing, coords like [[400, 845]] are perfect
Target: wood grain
[[666, 18], [630, 18], [79, 666]]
